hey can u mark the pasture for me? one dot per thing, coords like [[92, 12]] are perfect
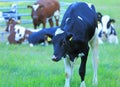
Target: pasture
[[23, 66]]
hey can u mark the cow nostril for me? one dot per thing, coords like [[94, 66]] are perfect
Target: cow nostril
[[103, 32], [54, 58]]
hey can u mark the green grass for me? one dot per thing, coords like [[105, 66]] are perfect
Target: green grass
[[22, 66]]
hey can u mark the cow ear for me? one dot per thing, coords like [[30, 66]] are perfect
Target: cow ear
[[112, 20], [69, 37], [99, 16], [41, 6], [29, 6], [10, 20]]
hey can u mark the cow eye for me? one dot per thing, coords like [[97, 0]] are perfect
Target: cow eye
[[18, 31], [108, 24], [20, 35]]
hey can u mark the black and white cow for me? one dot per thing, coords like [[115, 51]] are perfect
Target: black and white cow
[[106, 30], [34, 37], [41, 36], [72, 40]]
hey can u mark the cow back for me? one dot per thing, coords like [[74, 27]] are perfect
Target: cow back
[[80, 19], [50, 6]]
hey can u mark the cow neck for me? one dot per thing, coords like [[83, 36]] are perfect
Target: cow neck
[[27, 33]]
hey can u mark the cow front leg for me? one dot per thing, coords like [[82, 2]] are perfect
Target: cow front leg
[[82, 69], [68, 71], [51, 22]]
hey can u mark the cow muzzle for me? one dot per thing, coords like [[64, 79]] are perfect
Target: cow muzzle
[[54, 58], [35, 17]]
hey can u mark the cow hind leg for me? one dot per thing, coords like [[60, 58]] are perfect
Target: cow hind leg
[[68, 71], [94, 48]]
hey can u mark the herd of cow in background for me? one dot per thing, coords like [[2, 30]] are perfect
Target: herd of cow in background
[[69, 39], [41, 12]]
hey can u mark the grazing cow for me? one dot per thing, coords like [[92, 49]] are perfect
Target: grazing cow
[[78, 29], [106, 30], [43, 10]]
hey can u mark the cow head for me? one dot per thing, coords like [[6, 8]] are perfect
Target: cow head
[[106, 23], [11, 24], [19, 33], [60, 44], [36, 9]]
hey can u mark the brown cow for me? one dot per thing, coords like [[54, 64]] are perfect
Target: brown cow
[[10, 28], [43, 10]]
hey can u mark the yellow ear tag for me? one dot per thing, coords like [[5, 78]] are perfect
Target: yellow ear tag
[[48, 38], [70, 39]]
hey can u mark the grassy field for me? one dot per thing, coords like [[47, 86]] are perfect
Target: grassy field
[[22, 66]]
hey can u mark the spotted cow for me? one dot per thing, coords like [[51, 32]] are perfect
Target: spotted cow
[[44, 10], [106, 29], [76, 34]]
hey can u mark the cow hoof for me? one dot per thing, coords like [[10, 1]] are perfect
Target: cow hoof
[[82, 84], [95, 81]]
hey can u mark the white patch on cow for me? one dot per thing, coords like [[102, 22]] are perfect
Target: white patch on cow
[[19, 32], [89, 5], [59, 31], [80, 18], [35, 7], [57, 14], [105, 19], [81, 54], [67, 19]]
